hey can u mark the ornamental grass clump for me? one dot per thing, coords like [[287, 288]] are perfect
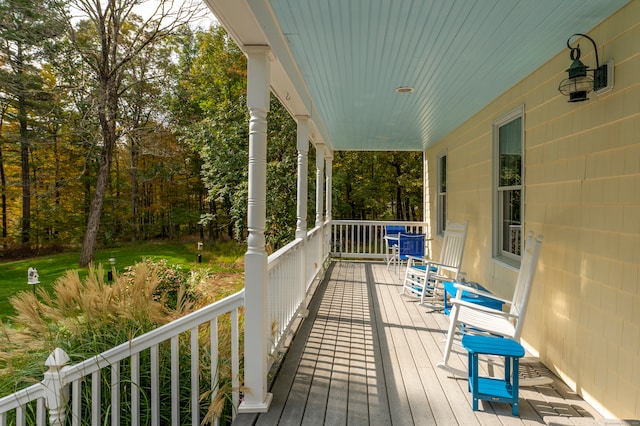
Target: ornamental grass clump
[[83, 316]]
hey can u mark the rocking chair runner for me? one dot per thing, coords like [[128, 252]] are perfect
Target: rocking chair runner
[[472, 318]]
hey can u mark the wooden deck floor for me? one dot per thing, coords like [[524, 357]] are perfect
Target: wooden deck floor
[[367, 356]]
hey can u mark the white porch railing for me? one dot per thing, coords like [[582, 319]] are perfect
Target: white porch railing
[[284, 289], [292, 270], [364, 239], [86, 378], [291, 273], [316, 255]]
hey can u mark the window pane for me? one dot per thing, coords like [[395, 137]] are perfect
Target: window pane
[[443, 173], [441, 220], [511, 153], [442, 213], [511, 225]]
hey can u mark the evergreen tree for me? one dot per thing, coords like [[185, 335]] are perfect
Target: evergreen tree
[[25, 26]]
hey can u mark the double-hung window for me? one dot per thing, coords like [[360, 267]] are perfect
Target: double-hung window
[[441, 220], [508, 137]]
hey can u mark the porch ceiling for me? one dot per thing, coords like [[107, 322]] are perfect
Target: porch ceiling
[[340, 61]]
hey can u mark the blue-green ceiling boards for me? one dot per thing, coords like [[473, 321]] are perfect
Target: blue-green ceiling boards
[[340, 61]]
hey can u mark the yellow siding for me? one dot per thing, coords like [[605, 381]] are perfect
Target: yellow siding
[[582, 192]]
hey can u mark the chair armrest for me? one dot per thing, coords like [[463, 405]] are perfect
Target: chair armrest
[[426, 261], [461, 287], [439, 264], [477, 307], [421, 259]]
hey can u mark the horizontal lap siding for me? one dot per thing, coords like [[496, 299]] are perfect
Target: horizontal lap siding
[[582, 192]]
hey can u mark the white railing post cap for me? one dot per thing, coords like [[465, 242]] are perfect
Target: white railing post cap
[[57, 359]]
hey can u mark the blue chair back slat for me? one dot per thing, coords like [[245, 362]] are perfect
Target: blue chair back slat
[[394, 230], [411, 245]]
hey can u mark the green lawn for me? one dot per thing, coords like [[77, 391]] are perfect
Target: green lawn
[[13, 274]]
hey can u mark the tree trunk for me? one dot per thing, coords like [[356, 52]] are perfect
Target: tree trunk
[[3, 184], [34, 237], [93, 222], [399, 214], [399, 207], [26, 183], [24, 153], [107, 114], [134, 190], [57, 185]]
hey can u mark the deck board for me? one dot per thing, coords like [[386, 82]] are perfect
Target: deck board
[[367, 355]]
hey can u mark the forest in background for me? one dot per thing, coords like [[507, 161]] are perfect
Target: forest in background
[[117, 128]]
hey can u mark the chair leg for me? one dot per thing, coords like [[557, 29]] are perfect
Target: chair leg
[[404, 284], [411, 281], [407, 278], [429, 286], [430, 297], [453, 319], [390, 257]]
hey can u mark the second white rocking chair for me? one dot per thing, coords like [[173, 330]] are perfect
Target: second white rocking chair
[[468, 317], [423, 278]]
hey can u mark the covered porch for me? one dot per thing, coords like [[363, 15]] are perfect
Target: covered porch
[[366, 355], [446, 79], [474, 87]]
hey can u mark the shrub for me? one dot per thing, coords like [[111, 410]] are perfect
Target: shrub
[[175, 285]]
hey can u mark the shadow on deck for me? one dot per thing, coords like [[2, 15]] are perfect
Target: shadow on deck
[[367, 356]]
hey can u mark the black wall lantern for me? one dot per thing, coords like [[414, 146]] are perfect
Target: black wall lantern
[[580, 83]]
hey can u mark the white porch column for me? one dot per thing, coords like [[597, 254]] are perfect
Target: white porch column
[[303, 173], [319, 184], [303, 190], [328, 190], [256, 329], [426, 203]]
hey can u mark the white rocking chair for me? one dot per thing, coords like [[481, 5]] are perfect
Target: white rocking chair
[[468, 317], [423, 278]]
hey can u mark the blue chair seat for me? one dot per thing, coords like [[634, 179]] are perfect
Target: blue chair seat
[[450, 290], [424, 268]]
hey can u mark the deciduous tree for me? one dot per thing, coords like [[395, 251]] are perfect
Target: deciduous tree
[[108, 39]]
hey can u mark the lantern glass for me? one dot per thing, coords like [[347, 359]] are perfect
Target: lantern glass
[[576, 88]]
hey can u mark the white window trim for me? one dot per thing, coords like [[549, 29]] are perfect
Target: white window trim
[[441, 222], [499, 255]]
